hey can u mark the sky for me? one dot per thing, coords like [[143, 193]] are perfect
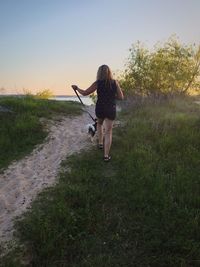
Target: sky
[[51, 44]]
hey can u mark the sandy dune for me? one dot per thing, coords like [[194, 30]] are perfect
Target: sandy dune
[[21, 182]]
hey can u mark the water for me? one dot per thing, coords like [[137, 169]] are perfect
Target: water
[[85, 99]]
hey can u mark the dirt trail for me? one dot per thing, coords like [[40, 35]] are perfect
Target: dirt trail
[[24, 179]]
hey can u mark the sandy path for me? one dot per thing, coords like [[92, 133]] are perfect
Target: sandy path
[[21, 182]]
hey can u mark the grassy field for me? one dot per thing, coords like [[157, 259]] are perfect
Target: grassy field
[[21, 129], [140, 209]]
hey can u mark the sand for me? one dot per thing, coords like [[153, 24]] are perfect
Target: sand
[[24, 179]]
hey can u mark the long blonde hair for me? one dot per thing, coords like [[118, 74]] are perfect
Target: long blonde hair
[[104, 73]]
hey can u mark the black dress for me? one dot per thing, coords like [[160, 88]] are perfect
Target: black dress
[[106, 99]]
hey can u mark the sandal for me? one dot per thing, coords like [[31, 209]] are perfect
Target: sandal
[[100, 146], [107, 158]]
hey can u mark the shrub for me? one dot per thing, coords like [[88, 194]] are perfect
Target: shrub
[[169, 68], [44, 94]]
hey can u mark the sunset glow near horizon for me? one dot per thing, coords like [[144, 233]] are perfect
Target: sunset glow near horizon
[[51, 44]]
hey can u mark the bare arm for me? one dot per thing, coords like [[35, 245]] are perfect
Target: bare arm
[[120, 94], [88, 91]]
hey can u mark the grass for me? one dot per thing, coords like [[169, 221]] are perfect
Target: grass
[[140, 209], [21, 129]]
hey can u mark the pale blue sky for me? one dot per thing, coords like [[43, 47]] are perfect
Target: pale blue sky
[[51, 44]]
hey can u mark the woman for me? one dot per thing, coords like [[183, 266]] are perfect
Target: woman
[[108, 90]]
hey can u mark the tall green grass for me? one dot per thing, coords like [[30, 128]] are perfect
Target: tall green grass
[[140, 209], [21, 129]]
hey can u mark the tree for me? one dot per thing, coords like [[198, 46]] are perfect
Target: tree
[[169, 68]]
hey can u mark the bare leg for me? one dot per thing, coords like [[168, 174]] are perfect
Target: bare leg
[[100, 130], [108, 124]]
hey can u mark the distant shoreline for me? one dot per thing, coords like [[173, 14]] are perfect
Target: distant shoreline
[[86, 99], [33, 95]]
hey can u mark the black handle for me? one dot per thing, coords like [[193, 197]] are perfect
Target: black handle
[[78, 96]]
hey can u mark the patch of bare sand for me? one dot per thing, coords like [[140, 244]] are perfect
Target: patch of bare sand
[[24, 179]]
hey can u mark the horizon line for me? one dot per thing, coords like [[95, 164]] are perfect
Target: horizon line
[[35, 95]]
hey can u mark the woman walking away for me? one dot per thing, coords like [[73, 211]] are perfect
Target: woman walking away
[[108, 90]]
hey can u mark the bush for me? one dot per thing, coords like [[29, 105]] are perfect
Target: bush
[[44, 94], [170, 68]]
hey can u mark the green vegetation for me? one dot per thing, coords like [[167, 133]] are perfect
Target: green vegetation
[[169, 68], [44, 94], [21, 129], [140, 209]]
